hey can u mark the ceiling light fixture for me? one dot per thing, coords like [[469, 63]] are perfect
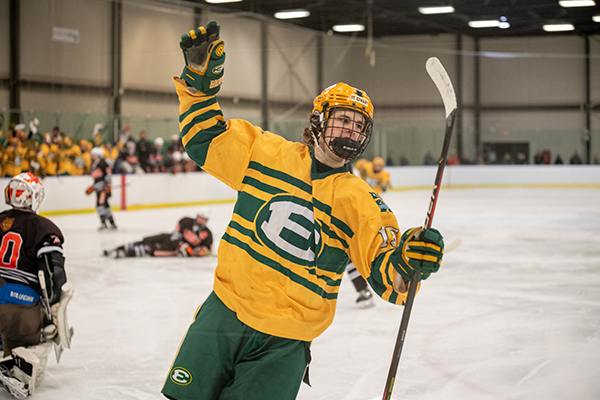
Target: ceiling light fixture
[[558, 27], [596, 18], [484, 24], [222, 1], [349, 28], [291, 14], [577, 3], [436, 10]]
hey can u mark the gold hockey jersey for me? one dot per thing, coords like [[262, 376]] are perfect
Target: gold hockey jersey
[[293, 230], [379, 181]]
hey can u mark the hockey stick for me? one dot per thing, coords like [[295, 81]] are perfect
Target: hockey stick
[[58, 348], [440, 77]]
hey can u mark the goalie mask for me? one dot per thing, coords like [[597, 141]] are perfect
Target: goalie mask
[[349, 109], [24, 191]]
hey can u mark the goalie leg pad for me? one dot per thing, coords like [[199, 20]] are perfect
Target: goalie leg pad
[[59, 318]]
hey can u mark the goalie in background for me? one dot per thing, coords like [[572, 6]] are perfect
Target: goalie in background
[[102, 174], [191, 238], [32, 300]]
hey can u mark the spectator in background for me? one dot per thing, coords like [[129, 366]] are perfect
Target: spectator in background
[[575, 159], [596, 160], [174, 163], [156, 160], [176, 145], [56, 136], [453, 159], [127, 161], [404, 160], [188, 164], [428, 159], [521, 158], [389, 160], [507, 159], [538, 158], [558, 159], [143, 149], [86, 147]]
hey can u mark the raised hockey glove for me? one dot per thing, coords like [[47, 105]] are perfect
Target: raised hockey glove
[[419, 250], [89, 190], [204, 57]]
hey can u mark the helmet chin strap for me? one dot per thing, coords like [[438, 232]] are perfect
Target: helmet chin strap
[[324, 157]]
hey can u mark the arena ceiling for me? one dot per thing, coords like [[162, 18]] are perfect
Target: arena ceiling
[[401, 17]]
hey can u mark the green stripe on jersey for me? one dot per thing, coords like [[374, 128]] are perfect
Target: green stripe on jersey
[[197, 147], [197, 106], [313, 287], [282, 176]]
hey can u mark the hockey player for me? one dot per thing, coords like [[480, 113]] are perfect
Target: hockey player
[[102, 174], [299, 219], [32, 275], [374, 174], [191, 238]]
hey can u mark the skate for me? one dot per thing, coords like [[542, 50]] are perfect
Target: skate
[[365, 299], [103, 227], [12, 385]]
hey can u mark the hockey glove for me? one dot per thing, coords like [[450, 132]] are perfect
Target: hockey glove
[[419, 250], [89, 190], [204, 58], [185, 250]]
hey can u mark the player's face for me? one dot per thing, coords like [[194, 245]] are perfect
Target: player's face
[[345, 124]]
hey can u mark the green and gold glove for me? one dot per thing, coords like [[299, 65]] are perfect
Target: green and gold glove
[[204, 57], [419, 250]]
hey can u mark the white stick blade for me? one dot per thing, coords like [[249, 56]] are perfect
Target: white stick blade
[[442, 81]]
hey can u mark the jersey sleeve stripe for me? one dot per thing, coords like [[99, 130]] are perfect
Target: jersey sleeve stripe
[[212, 103], [49, 249], [214, 124], [197, 145], [281, 176]]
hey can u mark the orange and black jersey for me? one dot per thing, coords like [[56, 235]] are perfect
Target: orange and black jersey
[[25, 237], [102, 174], [194, 234]]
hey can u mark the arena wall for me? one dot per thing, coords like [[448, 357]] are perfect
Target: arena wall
[[66, 194]]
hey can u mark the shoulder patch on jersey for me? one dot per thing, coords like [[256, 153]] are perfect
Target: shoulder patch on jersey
[[382, 206], [7, 223]]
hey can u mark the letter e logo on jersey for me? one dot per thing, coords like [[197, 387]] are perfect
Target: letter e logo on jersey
[[286, 225], [181, 376]]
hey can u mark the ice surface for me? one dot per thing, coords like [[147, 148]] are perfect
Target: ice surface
[[514, 312]]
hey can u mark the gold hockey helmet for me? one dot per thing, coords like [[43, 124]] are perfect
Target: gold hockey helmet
[[344, 96]]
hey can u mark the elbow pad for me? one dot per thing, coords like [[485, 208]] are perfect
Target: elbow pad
[[53, 265]]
